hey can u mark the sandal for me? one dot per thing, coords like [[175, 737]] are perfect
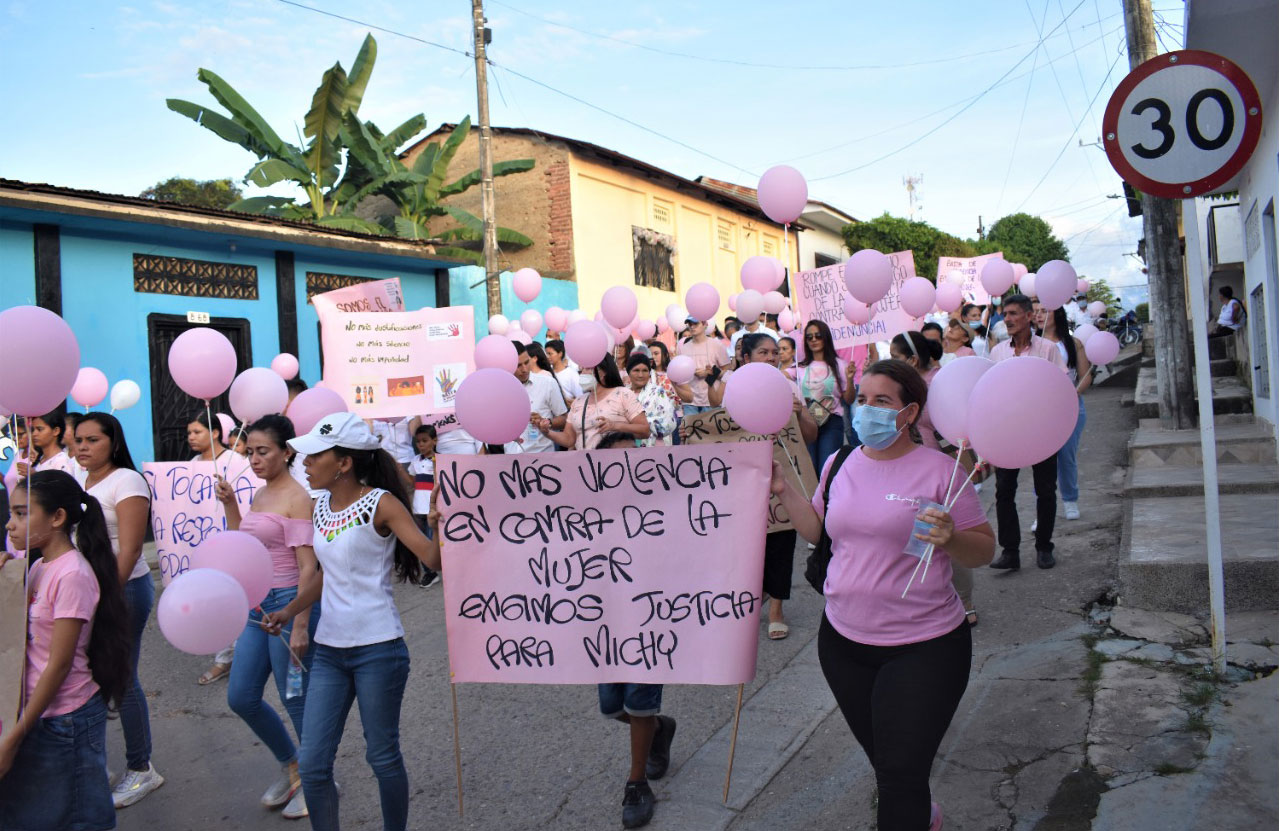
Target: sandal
[[778, 631], [214, 673], [971, 618]]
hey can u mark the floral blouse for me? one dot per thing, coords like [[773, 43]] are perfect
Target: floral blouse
[[670, 389], [659, 410]]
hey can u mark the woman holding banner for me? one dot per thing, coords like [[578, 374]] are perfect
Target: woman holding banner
[[606, 406], [897, 662], [364, 535], [280, 518], [110, 477], [206, 438]]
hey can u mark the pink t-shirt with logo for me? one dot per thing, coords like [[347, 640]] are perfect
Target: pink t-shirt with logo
[[708, 353], [63, 588], [872, 509]]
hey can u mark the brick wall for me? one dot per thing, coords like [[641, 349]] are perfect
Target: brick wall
[[559, 217]]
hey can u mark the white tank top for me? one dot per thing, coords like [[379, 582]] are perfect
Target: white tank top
[[1062, 350], [356, 607]]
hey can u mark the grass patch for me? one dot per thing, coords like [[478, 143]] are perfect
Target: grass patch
[[1201, 695], [1196, 723], [1170, 769], [1092, 672]]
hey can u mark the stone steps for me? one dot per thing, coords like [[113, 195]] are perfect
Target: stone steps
[[1230, 395], [1239, 439], [1170, 480]]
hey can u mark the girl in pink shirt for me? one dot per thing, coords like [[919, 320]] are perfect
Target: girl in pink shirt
[[897, 665], [53, 766]]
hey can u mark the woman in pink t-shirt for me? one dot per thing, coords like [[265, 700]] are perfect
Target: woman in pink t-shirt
[[53, 764], [280, 518], [898, 666]]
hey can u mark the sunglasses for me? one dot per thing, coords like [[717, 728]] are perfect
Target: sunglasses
[[813, 336]]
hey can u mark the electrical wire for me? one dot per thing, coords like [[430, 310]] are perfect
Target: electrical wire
[[1026, 97], [376, 28]]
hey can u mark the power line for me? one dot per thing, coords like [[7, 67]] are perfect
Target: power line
[[1026, 97], [377, 28]]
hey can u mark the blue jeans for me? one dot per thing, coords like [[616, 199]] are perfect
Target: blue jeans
[[633, 699], [830, 437], [258, 655], [59, 776], [1067, 468], [375, 676], [135, 720], [694, 409]]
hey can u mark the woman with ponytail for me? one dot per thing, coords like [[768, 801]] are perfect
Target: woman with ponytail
[[364, 535], [53, 766]]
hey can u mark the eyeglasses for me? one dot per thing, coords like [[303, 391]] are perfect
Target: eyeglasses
[[813, 336]]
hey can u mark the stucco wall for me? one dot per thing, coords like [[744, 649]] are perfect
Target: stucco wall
[[1258, 189]]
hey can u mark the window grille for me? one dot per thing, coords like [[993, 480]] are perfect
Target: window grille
[[155, 274]]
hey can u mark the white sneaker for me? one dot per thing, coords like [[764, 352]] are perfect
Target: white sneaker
[[134, 785], [1034, 525], [282, 789], [297, 807], [1072, 509]]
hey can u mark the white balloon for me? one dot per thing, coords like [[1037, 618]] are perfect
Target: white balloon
[[956, 276], [125, 394], [498, 325]]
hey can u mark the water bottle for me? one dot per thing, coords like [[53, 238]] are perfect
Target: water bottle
[[293, 682]]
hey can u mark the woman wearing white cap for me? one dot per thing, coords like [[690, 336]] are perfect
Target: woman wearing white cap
[[361, 540]]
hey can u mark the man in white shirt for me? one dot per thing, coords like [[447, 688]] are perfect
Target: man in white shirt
[[545, 401], [757, 325]]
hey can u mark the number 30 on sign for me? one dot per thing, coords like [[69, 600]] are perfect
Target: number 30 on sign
[[1182, 124]]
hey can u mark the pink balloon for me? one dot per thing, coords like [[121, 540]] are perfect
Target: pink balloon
[[759, 397], [997, 277], [681, 368], [786, 320], [916, 296], [763, 274], [619, 307], [557, 319], [498, 325], [492, 406], [1085, 331], [1102, 348], [202, 362], [857, 312], [644, 329], [531, 321], [1036, 416], [664, 325], [284, 365], [675, 317], [774, 302], [1027, 285], [703, 301], [240, 555], [732, 302], [522, 337], [949, 396], [527, 284], [586, 343], [90, 387], [1096, 309], [1082, 286], [868, 275], [948, 296], [496, 352], [514, 328], [228, 425], [575, 316], [41, 360], [309, 406], [202, 610], [750, 305], [256, 392], [782, 194], [1055, 284], [1019, 271]]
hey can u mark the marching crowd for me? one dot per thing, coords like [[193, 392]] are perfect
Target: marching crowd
[[345, 511]]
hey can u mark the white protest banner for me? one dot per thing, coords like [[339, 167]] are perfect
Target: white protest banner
[[369, 296], [971, 268], [789, 451], [397, 364], [636, 565], [820, 294], [184, 509]]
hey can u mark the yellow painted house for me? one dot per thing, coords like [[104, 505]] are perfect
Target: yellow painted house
[[602, 219]]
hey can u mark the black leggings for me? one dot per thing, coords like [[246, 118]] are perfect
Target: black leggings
[[898, 701]]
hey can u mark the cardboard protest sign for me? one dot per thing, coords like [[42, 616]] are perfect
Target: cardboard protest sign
[[636, 565], [789, 451], [397, 364], [13, 641], [820, 294], [184, 509], [369, 296], [971, 268]]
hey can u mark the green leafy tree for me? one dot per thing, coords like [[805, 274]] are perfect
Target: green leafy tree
[[1025, 239], [212, 193], [888, 233], [1099, 290], [1143, 311]]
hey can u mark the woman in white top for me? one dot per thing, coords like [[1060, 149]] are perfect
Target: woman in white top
[[364, 537], [206, 439], [108, 474]]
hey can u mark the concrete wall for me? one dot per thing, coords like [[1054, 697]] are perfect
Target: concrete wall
[[1258, 191], [820, 241], [17, 266]]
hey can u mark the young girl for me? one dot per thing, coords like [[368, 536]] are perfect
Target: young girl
[[46, 438], [53, 766], [280, 518], [423, 471], [364, 534]]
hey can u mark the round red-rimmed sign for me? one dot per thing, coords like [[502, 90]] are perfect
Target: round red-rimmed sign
[[1182, 124]]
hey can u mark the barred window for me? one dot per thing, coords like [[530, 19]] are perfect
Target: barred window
[[724, 235], [661, 213], [155, 274], [318, 282]]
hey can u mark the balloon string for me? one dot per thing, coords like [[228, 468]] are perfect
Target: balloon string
[[950, 501]]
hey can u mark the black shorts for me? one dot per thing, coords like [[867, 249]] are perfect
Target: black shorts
[[779, 559]]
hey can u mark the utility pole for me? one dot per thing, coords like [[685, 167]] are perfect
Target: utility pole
[[982, 231], [493, 291], [1164, 261]]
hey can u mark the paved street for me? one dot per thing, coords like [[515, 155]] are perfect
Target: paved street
[[541, 757]]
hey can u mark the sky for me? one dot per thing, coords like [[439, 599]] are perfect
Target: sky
[[987, 102]]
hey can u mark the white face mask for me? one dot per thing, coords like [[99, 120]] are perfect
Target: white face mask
[[587, 381]]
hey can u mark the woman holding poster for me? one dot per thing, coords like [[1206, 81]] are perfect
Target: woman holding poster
[[606, 406], [363, 536], [897, 662]]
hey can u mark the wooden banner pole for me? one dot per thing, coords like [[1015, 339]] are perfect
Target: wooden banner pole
[[457, 747], [733, 743]]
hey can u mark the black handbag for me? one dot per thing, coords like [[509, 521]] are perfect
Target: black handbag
[[815, 567]]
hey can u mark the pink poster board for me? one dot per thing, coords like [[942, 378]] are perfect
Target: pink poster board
[[971, 268], [184, 510], [820, 294], [399, 364], [370, 296], [638, 565]]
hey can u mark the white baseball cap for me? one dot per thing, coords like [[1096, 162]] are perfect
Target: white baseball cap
[[337, 430]]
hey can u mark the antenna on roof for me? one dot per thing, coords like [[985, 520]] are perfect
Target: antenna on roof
[[913, 201]]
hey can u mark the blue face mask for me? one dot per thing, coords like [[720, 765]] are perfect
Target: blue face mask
[[877, 427], [974, 324]]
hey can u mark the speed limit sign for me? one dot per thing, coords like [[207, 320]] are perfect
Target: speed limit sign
[[1182, 124]]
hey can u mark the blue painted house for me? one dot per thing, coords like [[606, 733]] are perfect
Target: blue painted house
[[130, 274]]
